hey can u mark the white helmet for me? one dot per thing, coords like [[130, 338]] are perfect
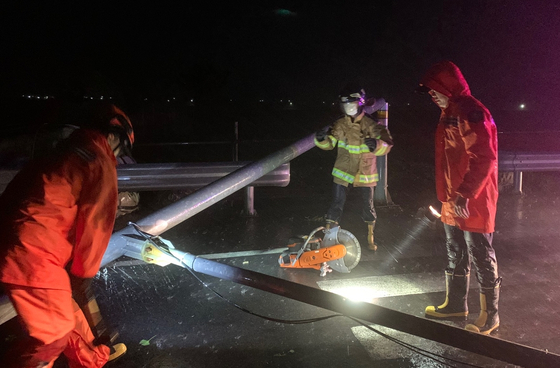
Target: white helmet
[[351, 102]]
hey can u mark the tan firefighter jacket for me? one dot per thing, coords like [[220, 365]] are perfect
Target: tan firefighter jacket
[[355, 164]]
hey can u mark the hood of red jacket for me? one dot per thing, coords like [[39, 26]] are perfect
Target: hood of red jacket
[[446, 78]]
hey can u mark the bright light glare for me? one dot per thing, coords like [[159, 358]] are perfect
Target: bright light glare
[[354, 293], [522, 106], [435, 212]]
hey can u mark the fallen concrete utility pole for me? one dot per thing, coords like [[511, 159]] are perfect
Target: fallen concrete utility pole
[[172, 215]]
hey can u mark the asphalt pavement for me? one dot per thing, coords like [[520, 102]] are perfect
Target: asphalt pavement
[[169, 317]]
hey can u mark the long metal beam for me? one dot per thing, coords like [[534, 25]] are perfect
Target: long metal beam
[[166, 176]]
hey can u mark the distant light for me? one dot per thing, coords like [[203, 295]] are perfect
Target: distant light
[[291, 103], [101, 97], [145, 99], [522, 106]]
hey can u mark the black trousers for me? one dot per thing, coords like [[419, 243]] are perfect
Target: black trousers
[[339, 199], [464, 247]]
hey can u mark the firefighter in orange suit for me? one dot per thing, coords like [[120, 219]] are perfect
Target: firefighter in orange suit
[[57, 216], [467, 185], [359, 140]]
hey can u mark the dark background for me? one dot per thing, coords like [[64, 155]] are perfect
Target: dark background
[[187, 71]]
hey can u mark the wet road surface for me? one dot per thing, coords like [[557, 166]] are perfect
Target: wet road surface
[[169, 318]]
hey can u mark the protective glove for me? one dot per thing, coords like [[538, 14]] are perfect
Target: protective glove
[[322, 134], [81, 290], [371, 143], [462, 207], [82, 293]]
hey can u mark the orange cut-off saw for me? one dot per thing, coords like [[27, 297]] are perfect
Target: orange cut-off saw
[[337, 250]]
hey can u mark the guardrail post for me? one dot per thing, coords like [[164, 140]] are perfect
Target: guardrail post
[[236, 142], [249, 208], [518, 182], [249, 193], [381, 194]]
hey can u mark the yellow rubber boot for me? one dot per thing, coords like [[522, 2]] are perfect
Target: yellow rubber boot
[[116, 352], [488, 319], [455, 304], [330, 224], [370, 237]]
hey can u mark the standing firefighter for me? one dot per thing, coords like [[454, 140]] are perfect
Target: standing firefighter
[[466, 184], [359, 140], [57, 218]]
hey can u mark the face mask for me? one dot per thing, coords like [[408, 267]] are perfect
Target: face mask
[[350, 108]]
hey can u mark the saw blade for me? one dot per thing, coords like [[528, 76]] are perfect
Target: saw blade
[[353, 249]]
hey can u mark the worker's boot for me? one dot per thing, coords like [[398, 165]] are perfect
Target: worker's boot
[[330, 224], [370, 236], [456, 292], [488, 320], [116, 351]]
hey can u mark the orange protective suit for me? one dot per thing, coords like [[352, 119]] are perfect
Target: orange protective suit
[[58, 214]]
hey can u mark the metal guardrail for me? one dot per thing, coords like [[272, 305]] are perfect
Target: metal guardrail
[[519, 162], [528, 161], [168, 176]]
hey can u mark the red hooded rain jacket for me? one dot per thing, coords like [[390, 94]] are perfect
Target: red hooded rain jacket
[[466, 152]]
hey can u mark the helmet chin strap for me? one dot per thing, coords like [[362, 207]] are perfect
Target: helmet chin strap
[[117, 151]]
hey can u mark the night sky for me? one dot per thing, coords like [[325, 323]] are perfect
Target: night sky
[[509, 50]]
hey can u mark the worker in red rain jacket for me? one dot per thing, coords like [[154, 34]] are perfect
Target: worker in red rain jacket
[[57, 216], [466, 183]]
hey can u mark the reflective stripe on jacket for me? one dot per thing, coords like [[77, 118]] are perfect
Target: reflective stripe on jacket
[[466, 152], [355, 164], [58, 210]]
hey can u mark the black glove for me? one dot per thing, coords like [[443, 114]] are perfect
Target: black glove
[[322, 134], [82, 293], [371, 143], [81, 290]]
